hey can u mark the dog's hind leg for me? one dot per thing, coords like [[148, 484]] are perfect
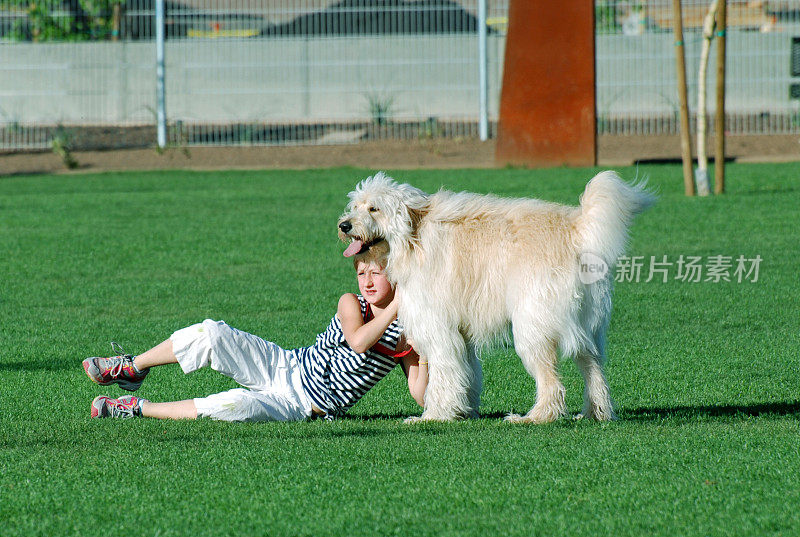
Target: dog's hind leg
[[540, 359], [596, 395]]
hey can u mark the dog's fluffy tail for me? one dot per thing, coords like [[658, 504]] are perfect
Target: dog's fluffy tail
[[608, 206]]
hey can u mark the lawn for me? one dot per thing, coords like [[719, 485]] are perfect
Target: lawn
[[704, 374]]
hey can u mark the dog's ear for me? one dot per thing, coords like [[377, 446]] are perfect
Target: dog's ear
[[417, 204], [416, 216]]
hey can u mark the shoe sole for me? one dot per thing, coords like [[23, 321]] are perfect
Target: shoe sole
[[124, 384]]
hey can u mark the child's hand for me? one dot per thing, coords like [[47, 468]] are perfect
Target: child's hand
[[393, 306]]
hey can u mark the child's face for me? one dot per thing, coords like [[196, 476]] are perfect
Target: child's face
[[373, 284]]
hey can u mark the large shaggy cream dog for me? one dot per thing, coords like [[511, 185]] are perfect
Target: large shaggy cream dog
[[468, 266]]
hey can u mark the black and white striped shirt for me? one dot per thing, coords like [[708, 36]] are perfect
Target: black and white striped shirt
[[335, 377]]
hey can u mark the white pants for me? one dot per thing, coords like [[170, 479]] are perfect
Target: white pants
[[271, 373]]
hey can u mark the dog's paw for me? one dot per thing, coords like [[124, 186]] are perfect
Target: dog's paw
[[424, 419], [533, 418], [516, 418], [439, 418], [597, 414]]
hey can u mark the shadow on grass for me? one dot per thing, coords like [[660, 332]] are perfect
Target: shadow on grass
[[712, 411], [403, 415], [647, 414], [376, 416]]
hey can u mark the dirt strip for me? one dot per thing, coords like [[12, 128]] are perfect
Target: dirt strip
[[389, 154]]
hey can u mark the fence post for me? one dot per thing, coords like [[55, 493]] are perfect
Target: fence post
[[483, 73], [161, 111]]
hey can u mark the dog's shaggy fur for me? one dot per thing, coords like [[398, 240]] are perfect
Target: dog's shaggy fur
[[467, 266]]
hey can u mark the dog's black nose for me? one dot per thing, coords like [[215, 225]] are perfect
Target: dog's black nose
[[345, 226]]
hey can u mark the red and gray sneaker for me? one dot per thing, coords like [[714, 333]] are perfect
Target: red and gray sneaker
[[117, 369], [127, 406]]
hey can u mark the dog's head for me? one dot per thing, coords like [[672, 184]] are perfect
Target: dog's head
[[381, 209]]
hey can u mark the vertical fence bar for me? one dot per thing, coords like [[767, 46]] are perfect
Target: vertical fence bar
[[483, 73], [161, 109]]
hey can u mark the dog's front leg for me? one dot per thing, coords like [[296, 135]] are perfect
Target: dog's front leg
[[475, 380], [447, 396]]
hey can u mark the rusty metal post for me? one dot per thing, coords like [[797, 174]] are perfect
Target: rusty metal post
[[547, 106]]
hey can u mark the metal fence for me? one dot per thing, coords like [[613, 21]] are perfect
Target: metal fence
[[342, 71], [635, 57], [247, 71]]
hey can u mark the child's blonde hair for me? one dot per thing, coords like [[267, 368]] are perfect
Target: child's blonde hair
[[376, 254]]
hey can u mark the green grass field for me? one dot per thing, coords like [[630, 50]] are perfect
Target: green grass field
[[705, 375]]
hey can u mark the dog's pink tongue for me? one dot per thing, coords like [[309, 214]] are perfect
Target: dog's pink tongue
[[354, 248]]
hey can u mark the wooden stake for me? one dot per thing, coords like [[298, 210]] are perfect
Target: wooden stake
[[719, 125], [680, 63], [701, 174]]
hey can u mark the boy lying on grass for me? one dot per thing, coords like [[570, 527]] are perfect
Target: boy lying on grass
[[362, 343]]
